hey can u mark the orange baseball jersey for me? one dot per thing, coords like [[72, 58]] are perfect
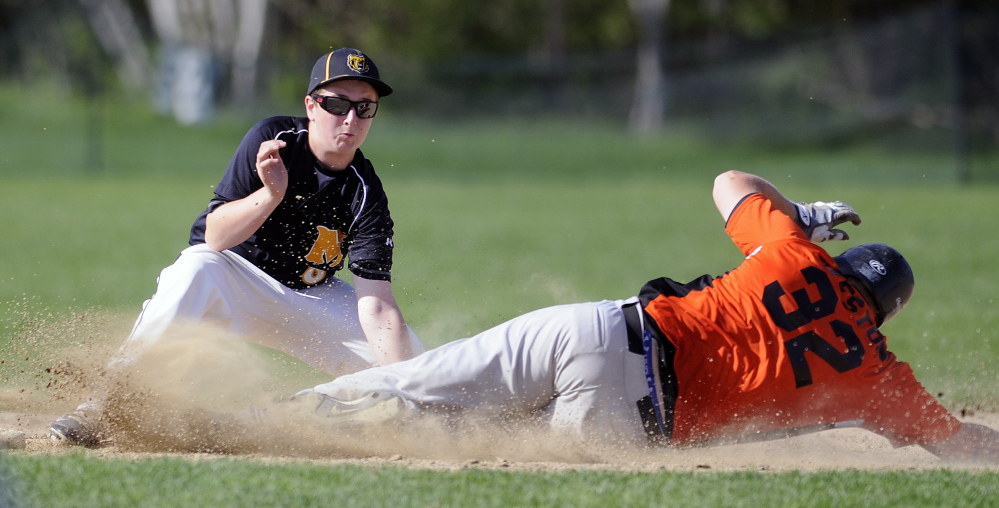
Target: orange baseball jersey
[[783, 341]]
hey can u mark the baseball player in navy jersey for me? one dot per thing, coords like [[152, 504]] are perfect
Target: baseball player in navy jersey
[[789, 341], [298, 202]]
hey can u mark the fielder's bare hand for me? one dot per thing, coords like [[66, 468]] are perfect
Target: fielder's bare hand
[[819, 218], [270, 167]]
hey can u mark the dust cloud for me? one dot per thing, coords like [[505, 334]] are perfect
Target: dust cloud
[[199, 391]]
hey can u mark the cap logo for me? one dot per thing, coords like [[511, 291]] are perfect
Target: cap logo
[[877, 266], [357, 63]]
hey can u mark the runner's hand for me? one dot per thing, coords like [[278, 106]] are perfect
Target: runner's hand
[[819, 218]]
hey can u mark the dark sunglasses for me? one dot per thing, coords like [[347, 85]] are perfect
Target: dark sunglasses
[[340, 106]]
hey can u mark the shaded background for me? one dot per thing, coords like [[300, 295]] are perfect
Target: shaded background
[[915, 76]]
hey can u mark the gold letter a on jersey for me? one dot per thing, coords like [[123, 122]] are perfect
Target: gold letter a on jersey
[[326, 251]]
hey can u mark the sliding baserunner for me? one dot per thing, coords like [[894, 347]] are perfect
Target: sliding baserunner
[[789, 340]]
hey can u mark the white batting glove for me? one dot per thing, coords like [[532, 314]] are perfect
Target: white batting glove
[[819, 218]]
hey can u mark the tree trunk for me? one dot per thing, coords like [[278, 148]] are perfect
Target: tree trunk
[[246, 50], [200, 40], [648, 108], [556, 57], [119, 35]]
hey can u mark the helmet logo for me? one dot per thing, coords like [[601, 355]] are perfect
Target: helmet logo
[[357, 63], [877, 266]]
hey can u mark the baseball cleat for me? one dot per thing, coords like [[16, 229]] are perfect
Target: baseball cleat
[[373, 409], [77, 428]]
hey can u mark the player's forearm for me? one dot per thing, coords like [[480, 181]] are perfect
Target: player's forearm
[[232, 223], [390, 345], [386, 330], [974, 443]]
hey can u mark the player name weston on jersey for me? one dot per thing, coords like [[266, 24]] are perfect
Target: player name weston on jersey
[[325, 216]]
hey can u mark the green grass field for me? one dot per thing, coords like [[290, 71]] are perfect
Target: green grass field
[[67, 481], [493, 219]]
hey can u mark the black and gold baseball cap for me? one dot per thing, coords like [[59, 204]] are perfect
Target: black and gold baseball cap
[[347, 63]]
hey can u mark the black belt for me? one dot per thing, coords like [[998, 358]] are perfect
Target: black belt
[[634, 324], [657, 433]]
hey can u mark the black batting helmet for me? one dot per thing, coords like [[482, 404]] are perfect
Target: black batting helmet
[[884, 273]]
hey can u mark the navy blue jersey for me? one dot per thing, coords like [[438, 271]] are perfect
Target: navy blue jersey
[[325, 215]]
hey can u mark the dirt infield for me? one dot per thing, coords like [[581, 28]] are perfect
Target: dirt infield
[[829, 450], [160, 408]]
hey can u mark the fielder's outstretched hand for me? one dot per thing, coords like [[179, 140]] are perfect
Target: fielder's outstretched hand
[[819, 218]]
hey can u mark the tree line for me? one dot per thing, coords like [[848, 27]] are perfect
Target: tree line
[[233, 47]]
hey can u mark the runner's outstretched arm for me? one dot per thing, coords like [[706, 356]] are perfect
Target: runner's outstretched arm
[[974, 443]]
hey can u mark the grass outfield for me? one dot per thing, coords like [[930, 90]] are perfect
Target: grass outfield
[[493, 219], [70, 481]]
